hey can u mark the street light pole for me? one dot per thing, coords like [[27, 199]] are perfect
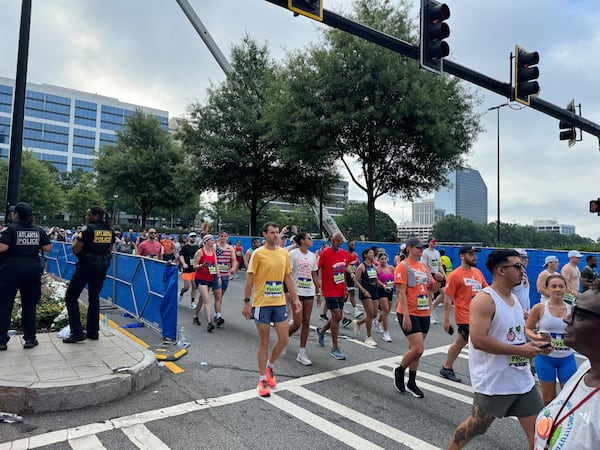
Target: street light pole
[[497, 108]]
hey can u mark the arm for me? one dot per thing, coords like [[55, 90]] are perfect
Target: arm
[[247, 310], [357, 276], [77, 246], [535, 315], [448, 299], [315, 278], [234, 264], [540, 284], [289, 282], [587, 277], [401, 290]]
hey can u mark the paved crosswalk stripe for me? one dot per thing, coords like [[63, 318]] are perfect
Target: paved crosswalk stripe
[[143, 438], [90, 442]]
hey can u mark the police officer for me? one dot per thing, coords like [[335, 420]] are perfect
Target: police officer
[[21, 268], [92, 245]]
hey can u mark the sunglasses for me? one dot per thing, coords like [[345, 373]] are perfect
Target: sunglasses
[[517, 266], [579, 313]]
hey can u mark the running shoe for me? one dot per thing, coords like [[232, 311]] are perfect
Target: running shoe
[[378, 326], [320, 337], [414, 390], [399, 379], [196, 321], [370, 341], [193, 305], [337, 354], [263, 389], [356, 327], [210, 327], [434, 319], [303, 359], [220, 321], [346, 322], [30, 343], [386, 336], [324, 317], [271, 380], [358, 314], [449, 374]]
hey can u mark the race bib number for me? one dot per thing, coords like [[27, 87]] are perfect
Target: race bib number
[[212, 270], [389, 283], [304, 283], [422, 302], [339, 278], [558, 342], [371, 273], [223, 268], [518, 362], [273, 288]]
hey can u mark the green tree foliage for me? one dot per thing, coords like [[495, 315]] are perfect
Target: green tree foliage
[[354, 223], [144, 165], [82, 194], [404, 128], [235, 147], [37, 186]]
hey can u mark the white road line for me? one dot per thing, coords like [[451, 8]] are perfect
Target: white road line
[[90, 442], [143, 438], [323, 425], [362, 419]]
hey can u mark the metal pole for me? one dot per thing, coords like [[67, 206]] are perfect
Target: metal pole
[[18, 117], [497, 108]]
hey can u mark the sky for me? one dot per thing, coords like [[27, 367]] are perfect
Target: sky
[[146, 52]]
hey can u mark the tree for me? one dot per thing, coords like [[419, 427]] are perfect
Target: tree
[[452, 228], [404, 128], [144, 165], [353, 223], [234, 146], [82, 193], [37, 187]]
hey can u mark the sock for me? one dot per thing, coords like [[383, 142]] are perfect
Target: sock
[[412, 375], [269, 364], [262, 378], [218, 315], [301, 350]]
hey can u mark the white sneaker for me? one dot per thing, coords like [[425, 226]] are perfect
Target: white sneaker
[[302, 358], [356, 327], [386, 336], [378, 326], [180, 300], [370, 342], [358, 313], [434, 319], [192, 305]]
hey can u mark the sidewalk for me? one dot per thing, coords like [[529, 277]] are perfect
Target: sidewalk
[[55, 376]]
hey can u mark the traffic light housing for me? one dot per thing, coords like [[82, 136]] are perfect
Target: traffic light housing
[[433, 49], [308, 8], [525, 74], [567, 129], [595, 206]]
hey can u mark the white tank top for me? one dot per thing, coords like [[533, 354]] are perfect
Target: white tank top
[[502, 374], [556, 327]]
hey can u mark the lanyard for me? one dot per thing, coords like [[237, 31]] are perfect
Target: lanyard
[[572, 411]]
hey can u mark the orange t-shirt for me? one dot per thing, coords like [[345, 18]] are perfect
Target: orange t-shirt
[[462, 285], [417, 297], [168, 245]]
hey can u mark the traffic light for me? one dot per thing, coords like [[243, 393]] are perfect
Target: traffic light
[[595, 206], [567, 129], [434, 29], [308, 8], [525, 74]]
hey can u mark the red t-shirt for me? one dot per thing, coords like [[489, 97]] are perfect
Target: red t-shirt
[[333, 272], [417, 297], [462, 285]]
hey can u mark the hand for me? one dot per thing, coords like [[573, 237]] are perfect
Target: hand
[[298, 304], [247, 311], [446, 325], [531, 349], [406, 323]]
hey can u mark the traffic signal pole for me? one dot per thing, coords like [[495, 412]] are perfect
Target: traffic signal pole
[[412, 51]]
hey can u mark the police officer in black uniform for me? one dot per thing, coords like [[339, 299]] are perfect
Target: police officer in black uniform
[[92, 245], [21, 269]]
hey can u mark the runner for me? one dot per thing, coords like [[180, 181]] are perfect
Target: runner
[[186, 258], [385, 273], [227, 264], [207, 275], [367, 283]]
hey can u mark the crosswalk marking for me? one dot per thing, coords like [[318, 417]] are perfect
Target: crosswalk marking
[[89, 442], [143, 438]]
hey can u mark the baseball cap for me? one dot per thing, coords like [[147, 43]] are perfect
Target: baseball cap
[[414, 242], [467, 249], [550, 259], [431, 239], [403, 246], [521, 251], [23, 209], [192, 234], [574, 254]]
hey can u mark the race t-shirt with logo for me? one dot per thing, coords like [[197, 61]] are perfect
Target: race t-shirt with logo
[[333, 266], [417, 296], [462, 285], [303, 266], [269, 268]]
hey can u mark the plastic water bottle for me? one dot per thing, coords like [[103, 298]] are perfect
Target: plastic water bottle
[[181, 341], [10, 417], [105, 322]]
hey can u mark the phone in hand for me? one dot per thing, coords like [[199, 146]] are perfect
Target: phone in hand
[[451, 330], [545, 345]]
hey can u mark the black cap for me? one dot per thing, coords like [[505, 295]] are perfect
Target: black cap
[[414, 242], [468, 249], [23, 209]]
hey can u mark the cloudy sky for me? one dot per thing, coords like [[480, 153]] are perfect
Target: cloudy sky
[[146, 52]]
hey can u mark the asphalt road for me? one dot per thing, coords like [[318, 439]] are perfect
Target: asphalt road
[[331, 404]]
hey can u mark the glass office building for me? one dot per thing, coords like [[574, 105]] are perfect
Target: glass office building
[[465, 196], [65, 126]]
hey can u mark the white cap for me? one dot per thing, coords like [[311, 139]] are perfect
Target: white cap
[[574, 254], [521, 251]]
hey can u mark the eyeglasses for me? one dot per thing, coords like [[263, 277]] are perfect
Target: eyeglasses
[[151, 232], [517, 266], [579, 313], [524, 257]]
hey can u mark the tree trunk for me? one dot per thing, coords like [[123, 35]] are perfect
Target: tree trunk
[[371, 215]]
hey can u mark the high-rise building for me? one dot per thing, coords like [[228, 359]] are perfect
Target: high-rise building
[[465, 196], [553, 226], [65, 126], [336, 201]]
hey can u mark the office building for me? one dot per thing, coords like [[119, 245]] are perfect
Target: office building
[[64, 126], [553, 226], [465, 196], [335, 201]]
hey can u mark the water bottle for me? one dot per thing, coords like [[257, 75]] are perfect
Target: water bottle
[[181, 342], [105, 322], [10, 418]]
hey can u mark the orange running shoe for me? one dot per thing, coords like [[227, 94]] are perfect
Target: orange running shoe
[[271, 377], [263, 388]]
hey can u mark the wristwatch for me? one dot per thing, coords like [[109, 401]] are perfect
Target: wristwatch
[[246, 300]]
